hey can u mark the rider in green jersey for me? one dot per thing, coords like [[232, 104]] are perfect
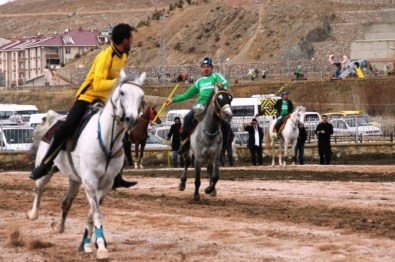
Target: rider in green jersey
[[204, 86]]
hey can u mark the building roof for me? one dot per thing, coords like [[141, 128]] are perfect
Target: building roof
[[76, 37]]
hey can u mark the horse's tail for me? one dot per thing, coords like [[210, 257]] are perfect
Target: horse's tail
[[268, 140], [40, 131]]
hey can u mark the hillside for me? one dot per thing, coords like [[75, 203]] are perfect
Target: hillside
[[241, 30]]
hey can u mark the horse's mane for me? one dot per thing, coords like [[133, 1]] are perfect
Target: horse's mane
[[207, 106], [129, 75], [301, 108]]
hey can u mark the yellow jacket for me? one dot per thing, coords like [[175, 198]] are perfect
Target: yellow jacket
[[102, 75]]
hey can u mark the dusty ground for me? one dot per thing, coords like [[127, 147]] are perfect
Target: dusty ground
[[301, 213]]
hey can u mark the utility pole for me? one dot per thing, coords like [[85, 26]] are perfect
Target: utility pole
[[162, 50], [161, 68]]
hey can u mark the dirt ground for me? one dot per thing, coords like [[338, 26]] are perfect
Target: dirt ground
[[297, 213]]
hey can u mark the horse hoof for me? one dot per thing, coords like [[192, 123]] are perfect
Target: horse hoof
[[30, 215], [181, 186], [196, 197], [102, 254], [88, 248], [56, 227], [214, 193], [208, 190]]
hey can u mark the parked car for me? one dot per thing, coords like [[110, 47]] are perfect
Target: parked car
[[173, 113], [161, 131], [311, 120], [354, 127], [154, 141], [350, 114]]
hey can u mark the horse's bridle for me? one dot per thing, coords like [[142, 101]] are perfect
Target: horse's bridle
[[297, 122], [217, 110], [217, 107], [116, 120]]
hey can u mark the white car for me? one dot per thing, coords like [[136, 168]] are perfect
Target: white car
[[354, 127], [154, 141]]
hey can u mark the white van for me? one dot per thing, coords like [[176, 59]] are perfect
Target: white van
[[258, 106], [13, 138], [12, 114], [36, 119], [7, 110], [173, 113]]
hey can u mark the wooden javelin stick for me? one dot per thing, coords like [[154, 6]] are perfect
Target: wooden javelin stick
[[164, 104]]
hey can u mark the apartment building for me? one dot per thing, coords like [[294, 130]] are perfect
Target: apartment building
[[26, 59]]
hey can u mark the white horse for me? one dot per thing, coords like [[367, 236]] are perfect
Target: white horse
[[288, 135], [96, 160]]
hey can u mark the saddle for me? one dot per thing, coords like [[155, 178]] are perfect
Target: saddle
[[281, 127], [72, 141]]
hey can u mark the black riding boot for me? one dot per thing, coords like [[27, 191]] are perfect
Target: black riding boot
[[47, 162], [120, 182]]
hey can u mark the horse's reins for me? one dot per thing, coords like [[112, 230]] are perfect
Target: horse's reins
[[295, 123], [116, 119]]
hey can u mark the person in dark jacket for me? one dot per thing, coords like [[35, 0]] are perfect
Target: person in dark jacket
[[175, 134], [324, 131], [227, 145], [284, 107], [299, 149], [255, 138]]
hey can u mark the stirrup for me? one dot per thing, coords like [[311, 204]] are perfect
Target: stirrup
[[38, 172]]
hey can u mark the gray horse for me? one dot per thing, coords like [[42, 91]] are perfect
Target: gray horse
[[206, 142]]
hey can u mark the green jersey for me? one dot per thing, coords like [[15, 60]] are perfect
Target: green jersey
[[204, 86]]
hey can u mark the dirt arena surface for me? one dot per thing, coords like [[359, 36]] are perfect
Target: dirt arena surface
[[297, 213]]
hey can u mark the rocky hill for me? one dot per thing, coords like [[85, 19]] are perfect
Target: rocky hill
[[244, 31]]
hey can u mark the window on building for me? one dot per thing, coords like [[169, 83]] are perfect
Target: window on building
[[68, 50]]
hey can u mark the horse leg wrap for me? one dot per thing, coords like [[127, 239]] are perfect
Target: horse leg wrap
[[85, 245], [100, 235]]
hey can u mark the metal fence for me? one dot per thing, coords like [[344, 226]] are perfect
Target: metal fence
[[386, 126], [15, 137]]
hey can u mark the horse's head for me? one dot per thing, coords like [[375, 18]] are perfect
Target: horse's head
[[221, 101], [153, 114], [298, 114], [127, 98]]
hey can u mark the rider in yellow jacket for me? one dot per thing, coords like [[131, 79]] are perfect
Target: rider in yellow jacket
[[96, 87]]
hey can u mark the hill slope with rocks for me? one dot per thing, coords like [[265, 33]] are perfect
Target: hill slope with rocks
[[245, 31]]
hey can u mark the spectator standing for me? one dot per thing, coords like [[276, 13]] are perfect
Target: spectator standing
[[324, 131], [227, 146], [255, 138], [299, 149], [299, 72], [264, 74], [175, 134]]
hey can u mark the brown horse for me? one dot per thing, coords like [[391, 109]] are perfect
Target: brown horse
[[139, 135]]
